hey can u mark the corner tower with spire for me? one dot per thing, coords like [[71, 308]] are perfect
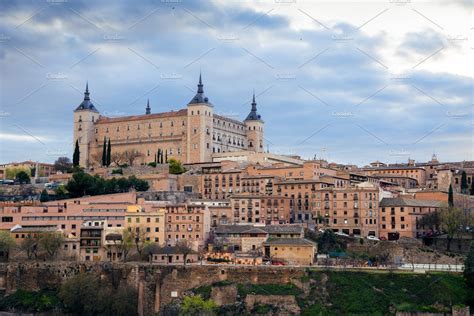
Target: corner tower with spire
[[199, 126], [84, 117], [254, 129]]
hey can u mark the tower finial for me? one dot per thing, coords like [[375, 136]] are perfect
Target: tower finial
[[86, 94], [200, 85], [148, 109], [254, 104]]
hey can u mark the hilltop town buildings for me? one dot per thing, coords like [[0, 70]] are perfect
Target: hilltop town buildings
[[232, 193]]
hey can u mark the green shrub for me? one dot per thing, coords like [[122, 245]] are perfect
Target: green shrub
[[117, 171], [268, 289], [28, 301]]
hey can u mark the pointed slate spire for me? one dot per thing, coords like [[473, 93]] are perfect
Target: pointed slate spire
[[199, 97], [200, 85], [148, 109], [86, 104], [86, 94], [254, 104], [253, 115]]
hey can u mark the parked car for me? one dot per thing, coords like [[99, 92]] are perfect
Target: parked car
[[373, 238], [277, 263], [341, 234]]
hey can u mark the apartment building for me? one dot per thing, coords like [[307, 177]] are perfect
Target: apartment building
[[189, 222], [414, 172], [249, 208], [147, 221], [399, 217], [68, 215], [220, 211], [98, 241], [245, 238]]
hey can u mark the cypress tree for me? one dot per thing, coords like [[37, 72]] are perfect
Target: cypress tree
[[472, 188], [464, 185], [104, 153], [109, 153], [44, 197], [155, 159], [451, 196], [76, 155], [166, 156]]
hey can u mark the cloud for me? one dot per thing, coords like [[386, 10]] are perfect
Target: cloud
[[20, 138], [337, 80]]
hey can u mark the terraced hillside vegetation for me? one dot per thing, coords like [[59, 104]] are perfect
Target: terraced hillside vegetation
[[345, 292], [315, 292]]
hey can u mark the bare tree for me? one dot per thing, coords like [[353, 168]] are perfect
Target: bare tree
[[184, 247], [51, 243], [96, 159], [132, 155], [138, 236], [451, 223], [118, 158], [30, 246]]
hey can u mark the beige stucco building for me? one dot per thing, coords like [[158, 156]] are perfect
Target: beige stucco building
[[189, 135]]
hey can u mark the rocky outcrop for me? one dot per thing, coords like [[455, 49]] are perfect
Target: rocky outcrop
[[281, 304]]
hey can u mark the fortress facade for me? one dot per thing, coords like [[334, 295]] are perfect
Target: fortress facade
[[190, 135]]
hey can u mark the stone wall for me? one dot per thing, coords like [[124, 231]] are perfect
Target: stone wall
[[174, 197], [156, 285]]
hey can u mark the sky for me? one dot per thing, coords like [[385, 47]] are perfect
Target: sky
[[346, 81]]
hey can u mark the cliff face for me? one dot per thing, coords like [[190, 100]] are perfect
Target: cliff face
[[156, 285]]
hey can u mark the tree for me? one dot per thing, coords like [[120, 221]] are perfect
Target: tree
[[196, 305], [451, 196], [76, 155], [22, 177], [451, 220], [44, 197], [117, 158], [166, 156], [472, 188], [469, 267], [464, 184], [328, 242], [6, 243], [175, 166], [82, 184], [51, 243], [61, 192], [138, 184], [63, 164], [151, 249], [104, 153], [139, 236], [30, 246], [430, 220], [11, 173], [125, 244], [132, 155], [184, 247], [87, 294], [109, 153], [79, 294]]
